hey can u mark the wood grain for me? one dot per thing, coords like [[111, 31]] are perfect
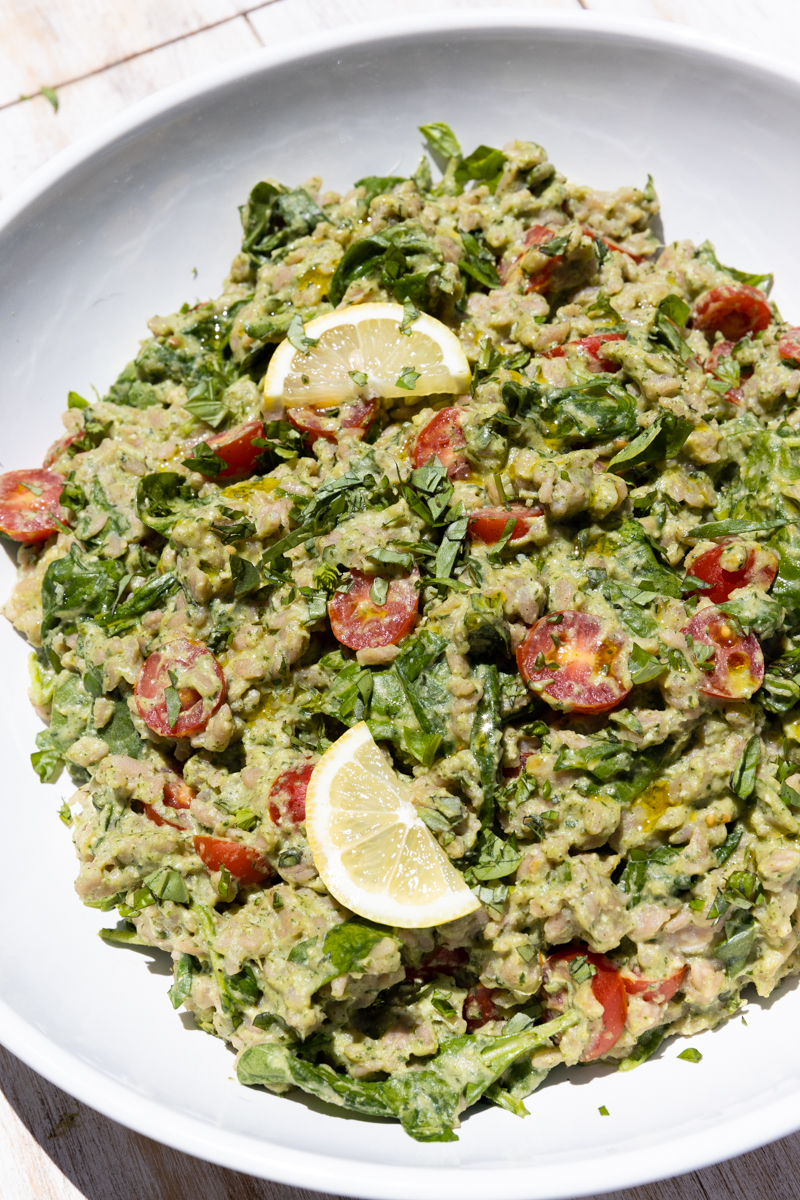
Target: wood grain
[[52, 1147]]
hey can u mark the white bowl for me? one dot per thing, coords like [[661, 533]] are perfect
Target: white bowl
[[107, 235]]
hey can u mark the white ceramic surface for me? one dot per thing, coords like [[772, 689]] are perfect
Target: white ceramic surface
[[108, 234]]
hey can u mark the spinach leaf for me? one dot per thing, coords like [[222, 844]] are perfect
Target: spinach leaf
[[706, 252], [274, 217], [402, 258], [46, 760], [149, 596], [350, 943], [441, 139], [646, 1046], [76, 586], [120, 733], [163, 499], [737, 946], [184, 971], [126, 936], [276, 1068], [662, 440], [598, 410], [734, 525], [478, 262], [743, 777], [378, 185], [484, 165], [486, 738], [604, 757]]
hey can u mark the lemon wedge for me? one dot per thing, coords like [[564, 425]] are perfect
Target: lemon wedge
[[372, 850], [360, 350]]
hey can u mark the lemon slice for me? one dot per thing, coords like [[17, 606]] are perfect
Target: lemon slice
[[365, 340], [372, 850]]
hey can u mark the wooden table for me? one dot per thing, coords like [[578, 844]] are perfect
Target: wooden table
[[99, 56]]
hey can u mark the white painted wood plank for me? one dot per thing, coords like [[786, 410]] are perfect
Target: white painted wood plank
[[52, 41], [31, 133], [288, 19], [53, 1148], [770, 26]]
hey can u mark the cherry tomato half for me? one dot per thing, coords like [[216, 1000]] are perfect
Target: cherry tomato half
[[317, 422], [287, 797], [479, 1007], [732, 310], [637, 258], [236, 448], [29, 504], [245, 864], [358, 622], [488, 524], [733, 564], [789, 345], [590, 348], [177, 795], [190, 669], [737, 661], [609, 991], [443, 437], [575, 663], [657, 991], [57, 448]]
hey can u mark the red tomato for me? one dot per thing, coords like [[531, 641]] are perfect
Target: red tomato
[[199, 682], [245, 864], [487, 524], [28, 504], [287, 797], [441, 961], [515, 772], [177, 794], [609, 990], [732, 564], [540, 235], [591, 349], [236, 447], [789, 345], [658, 991], [479, 1007], [737, 660], [732, 310], [58, 448], [315, 423], [582, 666], [358, 622], [443, 437]]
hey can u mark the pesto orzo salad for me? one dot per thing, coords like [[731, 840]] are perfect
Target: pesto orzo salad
[[419, 622]]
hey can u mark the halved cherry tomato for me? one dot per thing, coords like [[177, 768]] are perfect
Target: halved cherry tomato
[[658, 991], [441, 961], [177, 795], [575, 662], [609, 991], [358, 622], [318, 423], [236, 448], [245, 864], [789, 345], [591, 349], [29, 504], [738, 664], [488, 524], [732, 310], [479, 1007], [191, 669], [443, 437], [540, 235], [57, 448], [287, 797], [733, 564]]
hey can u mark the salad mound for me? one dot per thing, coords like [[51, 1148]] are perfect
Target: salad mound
[[564, 601]]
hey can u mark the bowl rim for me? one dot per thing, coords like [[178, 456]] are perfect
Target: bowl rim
[[262, 1158]]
